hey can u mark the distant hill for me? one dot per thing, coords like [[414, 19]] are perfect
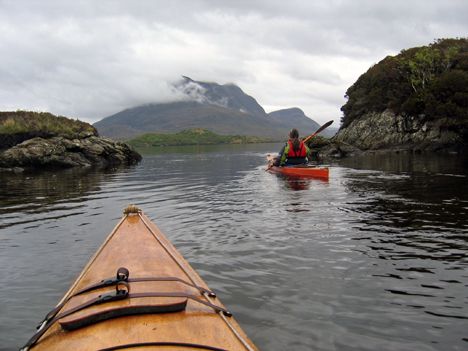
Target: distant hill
[[177, 116], [222, 109], [192, 137], [295, 118]]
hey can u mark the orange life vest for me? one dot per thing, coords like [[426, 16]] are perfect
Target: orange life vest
[[299, 156]]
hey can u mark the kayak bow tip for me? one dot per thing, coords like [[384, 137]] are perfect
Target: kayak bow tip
[[132, 209]]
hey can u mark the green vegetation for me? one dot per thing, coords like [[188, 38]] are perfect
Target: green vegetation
[[429, 81], [192, 137], [42, 124]]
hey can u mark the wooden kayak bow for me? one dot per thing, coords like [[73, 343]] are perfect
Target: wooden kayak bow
[[156, 300], [326, 125]]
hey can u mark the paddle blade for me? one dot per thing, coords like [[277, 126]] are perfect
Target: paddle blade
[[326, 125]]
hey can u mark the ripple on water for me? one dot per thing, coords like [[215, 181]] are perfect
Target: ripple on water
[[373, 259]]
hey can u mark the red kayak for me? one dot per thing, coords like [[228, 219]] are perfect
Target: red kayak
[[299, 170]]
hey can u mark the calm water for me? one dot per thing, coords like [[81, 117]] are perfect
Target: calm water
[[376, 258]]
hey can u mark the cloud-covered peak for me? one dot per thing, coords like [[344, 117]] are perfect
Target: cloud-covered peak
[[189, 90], [86, 59], [228, 95]]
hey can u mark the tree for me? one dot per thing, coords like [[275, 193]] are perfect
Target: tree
[[448, 57], [429, 81], [421, 69]]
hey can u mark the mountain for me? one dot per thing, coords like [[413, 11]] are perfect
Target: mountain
[[177, 116], [228, 96], [223, 109], [295, 118]]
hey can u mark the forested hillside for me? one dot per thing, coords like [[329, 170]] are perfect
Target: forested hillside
[[430, 82]]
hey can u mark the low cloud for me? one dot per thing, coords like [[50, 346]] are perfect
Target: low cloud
[[90, 59], [189, 91]]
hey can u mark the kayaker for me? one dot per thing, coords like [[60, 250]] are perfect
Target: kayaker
[[294, 151]]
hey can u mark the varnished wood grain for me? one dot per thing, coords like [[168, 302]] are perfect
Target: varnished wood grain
[[134, 247]]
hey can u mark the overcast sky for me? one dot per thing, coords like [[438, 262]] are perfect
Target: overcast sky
[[90, 59]]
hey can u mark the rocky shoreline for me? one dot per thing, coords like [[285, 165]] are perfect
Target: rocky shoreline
[[58, 151], [389, 133], [369, 134]]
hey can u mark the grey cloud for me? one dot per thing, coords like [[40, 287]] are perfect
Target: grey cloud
[[89, 59]]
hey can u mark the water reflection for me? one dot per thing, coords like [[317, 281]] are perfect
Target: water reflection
[[298, 183], [59, 192], [375, 257], [408, 163], [412, 217]]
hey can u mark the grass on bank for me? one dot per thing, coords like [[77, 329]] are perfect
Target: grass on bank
[[192, 137], [42, 123]]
